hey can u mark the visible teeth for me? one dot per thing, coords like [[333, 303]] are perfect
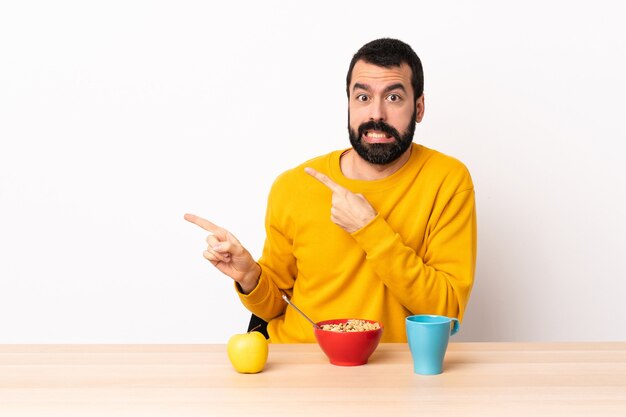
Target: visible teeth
[[376, 135]]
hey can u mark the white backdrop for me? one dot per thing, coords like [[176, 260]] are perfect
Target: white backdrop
[[116, 118]]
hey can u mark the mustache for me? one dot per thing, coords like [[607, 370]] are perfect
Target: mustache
[[379, 126]]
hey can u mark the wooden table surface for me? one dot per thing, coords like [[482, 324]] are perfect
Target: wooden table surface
[[479, 379]]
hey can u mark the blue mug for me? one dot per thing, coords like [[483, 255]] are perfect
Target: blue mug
[[428, 337]]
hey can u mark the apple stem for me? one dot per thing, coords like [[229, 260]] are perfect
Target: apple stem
[[254, 328]]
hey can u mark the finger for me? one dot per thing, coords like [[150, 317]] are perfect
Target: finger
[[210, 257], [203, 223], [212, 240], [227, 244], [222, 248], [215, 257], [323, 179]]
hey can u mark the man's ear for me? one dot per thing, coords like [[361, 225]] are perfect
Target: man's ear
[[419, 109]]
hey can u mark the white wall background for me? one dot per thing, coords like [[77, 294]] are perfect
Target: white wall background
[[116, 118]]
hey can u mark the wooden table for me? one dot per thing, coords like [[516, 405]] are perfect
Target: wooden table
[[479, 379]]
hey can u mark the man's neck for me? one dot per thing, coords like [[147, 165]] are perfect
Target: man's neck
[[357, 168]]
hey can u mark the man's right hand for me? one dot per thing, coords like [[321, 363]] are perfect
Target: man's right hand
[[227, 254]]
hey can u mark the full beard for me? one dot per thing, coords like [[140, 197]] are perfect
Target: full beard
[[382, 153]]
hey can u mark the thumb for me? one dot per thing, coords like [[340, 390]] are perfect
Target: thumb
[[232, 238], [235, 244]]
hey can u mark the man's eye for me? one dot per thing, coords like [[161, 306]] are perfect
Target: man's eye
[[393, 97], [361, 97]]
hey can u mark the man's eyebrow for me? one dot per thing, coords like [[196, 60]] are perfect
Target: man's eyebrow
[[397, 86], [360, 86]]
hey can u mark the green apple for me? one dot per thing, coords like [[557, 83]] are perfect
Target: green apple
[[247, 352]]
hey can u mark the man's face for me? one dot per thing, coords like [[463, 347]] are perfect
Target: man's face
[[382, 111]]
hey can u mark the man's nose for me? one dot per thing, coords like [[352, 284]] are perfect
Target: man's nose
[[377, 111]]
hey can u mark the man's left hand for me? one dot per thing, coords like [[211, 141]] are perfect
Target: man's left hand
[[349, 211]]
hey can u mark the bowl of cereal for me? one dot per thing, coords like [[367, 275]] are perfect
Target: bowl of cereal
[[348, 342]]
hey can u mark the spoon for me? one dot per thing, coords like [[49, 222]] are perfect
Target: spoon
[[300, 311]]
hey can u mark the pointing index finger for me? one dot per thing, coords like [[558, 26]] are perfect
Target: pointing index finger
[[203, 223], [323, 179]]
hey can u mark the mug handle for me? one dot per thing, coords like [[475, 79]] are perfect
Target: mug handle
[[455, 326]]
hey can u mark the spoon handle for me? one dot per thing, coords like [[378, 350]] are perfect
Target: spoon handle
[[299, 311]]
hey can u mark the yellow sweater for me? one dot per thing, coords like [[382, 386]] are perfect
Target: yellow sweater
[[416, 257]]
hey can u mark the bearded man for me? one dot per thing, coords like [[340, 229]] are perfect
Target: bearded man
[[378, 231]]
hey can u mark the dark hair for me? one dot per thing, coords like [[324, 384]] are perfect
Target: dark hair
[[387, 52]]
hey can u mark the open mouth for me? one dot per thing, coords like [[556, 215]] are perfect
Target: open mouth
[[376, 136]]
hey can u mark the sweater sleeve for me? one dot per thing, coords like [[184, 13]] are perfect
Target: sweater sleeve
[[439, 282]]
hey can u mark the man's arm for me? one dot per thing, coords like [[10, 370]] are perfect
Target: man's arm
[[440, 281]]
